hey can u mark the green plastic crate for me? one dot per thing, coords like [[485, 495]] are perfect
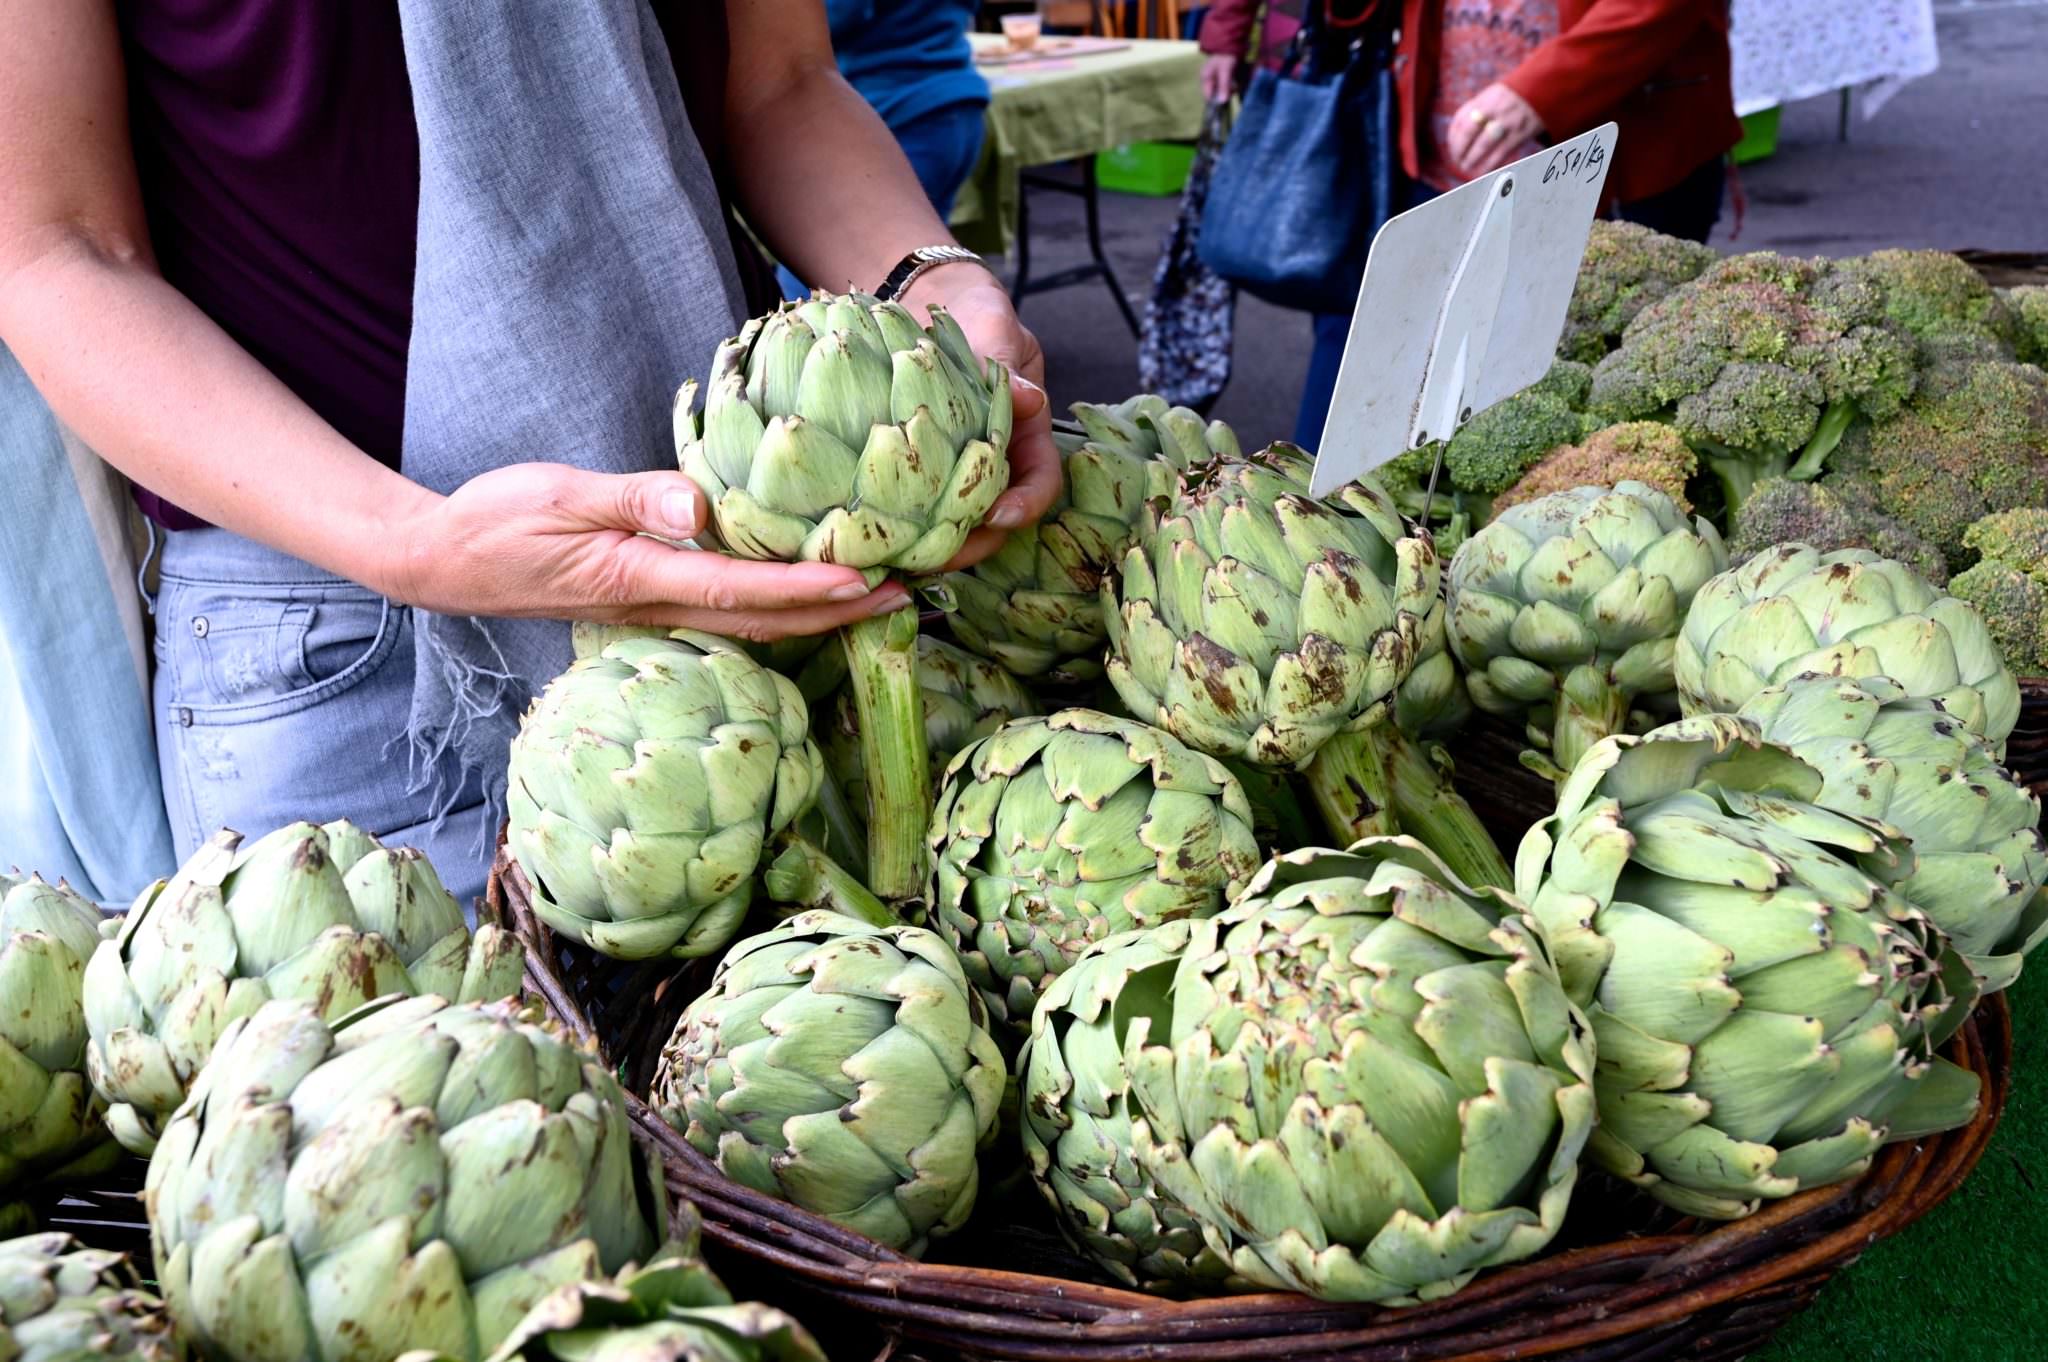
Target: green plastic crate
[[1155, 168], [1759, 135]]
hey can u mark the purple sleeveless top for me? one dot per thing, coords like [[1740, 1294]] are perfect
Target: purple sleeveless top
[[280, 169]]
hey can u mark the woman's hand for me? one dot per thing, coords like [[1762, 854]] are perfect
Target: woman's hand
[[548, 540], [1219, 77], [982, 306], [1493, 128], [553, 541]]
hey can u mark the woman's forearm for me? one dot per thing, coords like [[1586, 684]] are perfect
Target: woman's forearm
[[818, 173], [169, 398], [162, 393]]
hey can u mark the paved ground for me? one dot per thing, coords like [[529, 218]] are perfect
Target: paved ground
[[1955, 160]]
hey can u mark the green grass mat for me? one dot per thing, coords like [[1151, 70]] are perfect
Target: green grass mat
[[1965, 1284]]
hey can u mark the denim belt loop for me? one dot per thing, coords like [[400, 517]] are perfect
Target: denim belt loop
[[142, 569]]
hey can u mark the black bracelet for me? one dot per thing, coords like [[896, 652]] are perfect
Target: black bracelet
[[917, 262]]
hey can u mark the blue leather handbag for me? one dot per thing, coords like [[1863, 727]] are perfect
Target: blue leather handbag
[[1308, 174]]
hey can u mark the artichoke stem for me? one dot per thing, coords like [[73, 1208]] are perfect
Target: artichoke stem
[[1351, 787], [881, 659], [1589, 707], [804, 876], [845, 840], [1431, 810]]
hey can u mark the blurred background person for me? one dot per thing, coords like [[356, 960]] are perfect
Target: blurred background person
[[1486, 82], [1226, 38], [1231, 52], [911, 60]]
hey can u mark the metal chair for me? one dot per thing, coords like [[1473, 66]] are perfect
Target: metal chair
[[1110, 19], [1131, 18]]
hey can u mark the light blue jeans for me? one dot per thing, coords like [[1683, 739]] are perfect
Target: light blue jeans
[[282, 693]]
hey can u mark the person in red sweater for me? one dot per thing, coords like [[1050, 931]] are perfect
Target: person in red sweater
[[1485, 82]]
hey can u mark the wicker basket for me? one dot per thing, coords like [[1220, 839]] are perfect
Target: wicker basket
[[1508, 797], [2026, 751], [1629, 1280]]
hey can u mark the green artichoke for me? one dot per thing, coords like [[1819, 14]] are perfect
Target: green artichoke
[[323, 914], [1978, 857], [416, 1175], [63, 1302], [1765, 1005], [672, 1310], [51, 1124], [814, 661], [840, 431], [965, 697], [644, 785], [843, 1067], [1076, 1115], [1566, 609], [1035, 605], [1034, 857], [1370, 1084], [1794, 609], [1252, 621]]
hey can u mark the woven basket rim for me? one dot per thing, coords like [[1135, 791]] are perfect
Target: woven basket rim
[[1576, 1299]]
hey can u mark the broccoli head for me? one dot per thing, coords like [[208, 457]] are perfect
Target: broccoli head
[[1941, 300], [1626, 268], [1973, 441], [1761, 363], [2009, 584], [2028, 305], [1492, 449], [1635, 451], [1836, 512], [2018, 537]]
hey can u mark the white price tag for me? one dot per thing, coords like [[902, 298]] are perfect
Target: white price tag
[[1462, 303]]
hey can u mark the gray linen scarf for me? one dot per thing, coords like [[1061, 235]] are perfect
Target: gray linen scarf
[[573, 267]]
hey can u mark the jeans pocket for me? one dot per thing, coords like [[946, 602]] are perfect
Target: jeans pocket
[[240, 653]]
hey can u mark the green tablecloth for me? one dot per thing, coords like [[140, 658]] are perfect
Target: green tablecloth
[[1061, 108]]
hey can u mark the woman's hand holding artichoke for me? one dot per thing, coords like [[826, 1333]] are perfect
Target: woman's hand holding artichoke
[[979, 303], [553, 541]]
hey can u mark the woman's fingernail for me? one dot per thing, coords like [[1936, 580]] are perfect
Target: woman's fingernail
[[1024, 382], [889, 598], [852, 591], [1006, 516], [680, 514]]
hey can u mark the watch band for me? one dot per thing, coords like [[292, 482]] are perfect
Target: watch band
[[917, 262]]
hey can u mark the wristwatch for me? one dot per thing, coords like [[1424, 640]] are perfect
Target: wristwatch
[[917, 262]]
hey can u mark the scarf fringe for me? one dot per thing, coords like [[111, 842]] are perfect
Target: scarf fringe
[[463, 723]]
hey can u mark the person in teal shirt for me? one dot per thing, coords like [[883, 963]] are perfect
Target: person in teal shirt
[[911, 60]]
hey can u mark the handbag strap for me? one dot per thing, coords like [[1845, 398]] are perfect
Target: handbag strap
[[1215, 127], [1255, 39], [1365, 36]]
